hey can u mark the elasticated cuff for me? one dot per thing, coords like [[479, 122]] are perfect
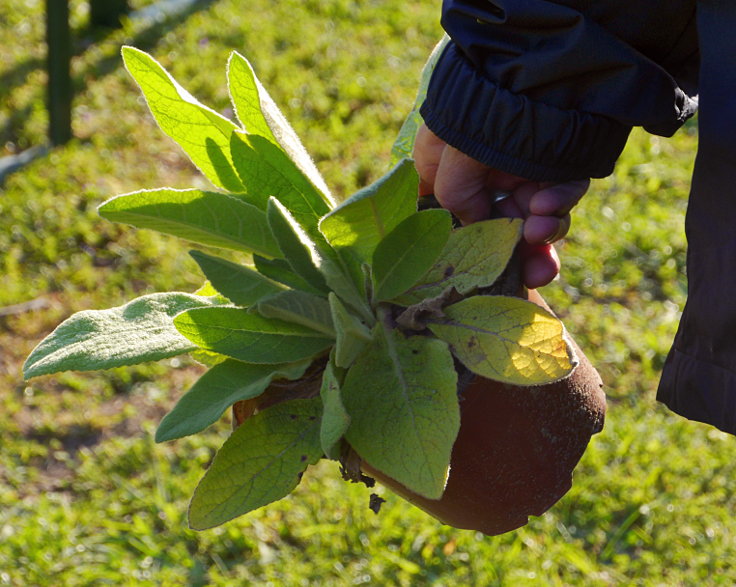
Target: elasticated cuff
[[514, 134], [699, 390]]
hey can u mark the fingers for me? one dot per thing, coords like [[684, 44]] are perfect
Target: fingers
[[543, 230], [559, 199], [428, 149], [541, 265], [548, 218]]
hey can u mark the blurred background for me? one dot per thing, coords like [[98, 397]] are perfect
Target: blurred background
[[87, 497]]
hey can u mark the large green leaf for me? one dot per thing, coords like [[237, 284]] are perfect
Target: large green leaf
[[200, 131], [239, 284], [359, 224], [507, 339], [261, 462], [266, 170], [401, 395], [218, 389], [237, 333], [139, 331], [208, 218], [299, 307], [474, 256], [404, 144], [260, 116], [408, 251]]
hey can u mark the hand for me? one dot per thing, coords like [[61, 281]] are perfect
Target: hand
[[469, 189]]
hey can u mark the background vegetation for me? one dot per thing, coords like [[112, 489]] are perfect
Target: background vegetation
[[86, 497]]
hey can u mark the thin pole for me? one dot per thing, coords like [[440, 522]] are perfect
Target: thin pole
[[59, 54]]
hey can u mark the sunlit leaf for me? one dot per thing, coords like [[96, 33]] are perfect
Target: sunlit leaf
[[359, 223], [408, 251], [260, 116], [474, 256], [266, 170], [208, 218], [260, 463], [137, 332], [248, 337], [200, 131], [507, 339], [298, 307]]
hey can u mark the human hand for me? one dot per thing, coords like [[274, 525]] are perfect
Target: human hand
[[469, 189]]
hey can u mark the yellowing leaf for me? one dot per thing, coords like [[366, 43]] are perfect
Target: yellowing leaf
[[507, 339], [474, 256]]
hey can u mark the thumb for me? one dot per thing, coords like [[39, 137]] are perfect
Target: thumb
[[460, 186]]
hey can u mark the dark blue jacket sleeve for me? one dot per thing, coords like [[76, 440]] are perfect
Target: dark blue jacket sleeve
[[549, 90]]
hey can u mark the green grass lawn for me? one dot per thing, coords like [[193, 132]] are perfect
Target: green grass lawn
[[86, 496]]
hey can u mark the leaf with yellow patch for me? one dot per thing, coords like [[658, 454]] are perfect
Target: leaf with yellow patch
[[507, 339], [474, 256]]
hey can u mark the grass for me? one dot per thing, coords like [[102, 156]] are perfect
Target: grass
[[88, 498]]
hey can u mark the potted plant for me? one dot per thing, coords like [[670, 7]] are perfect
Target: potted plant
[[366, 331]]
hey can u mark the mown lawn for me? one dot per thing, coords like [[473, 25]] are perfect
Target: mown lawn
[[88, 498]]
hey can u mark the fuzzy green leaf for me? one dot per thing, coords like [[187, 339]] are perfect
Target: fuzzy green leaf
[[295, 244], [280, 271], [299, 307], [266, 170], [200, 131], [507, 339], [474, 256], [260, 116], [352, 334], [358, 225], [315, 260], [239, 334], [401, 395], [404, 143], [239, 284], [208, 218], [217, 390], [335, 420], [408, 251], [140, 331], [261, 462]]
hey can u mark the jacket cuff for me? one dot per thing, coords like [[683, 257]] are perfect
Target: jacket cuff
[[512, 133], [699, 390]]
